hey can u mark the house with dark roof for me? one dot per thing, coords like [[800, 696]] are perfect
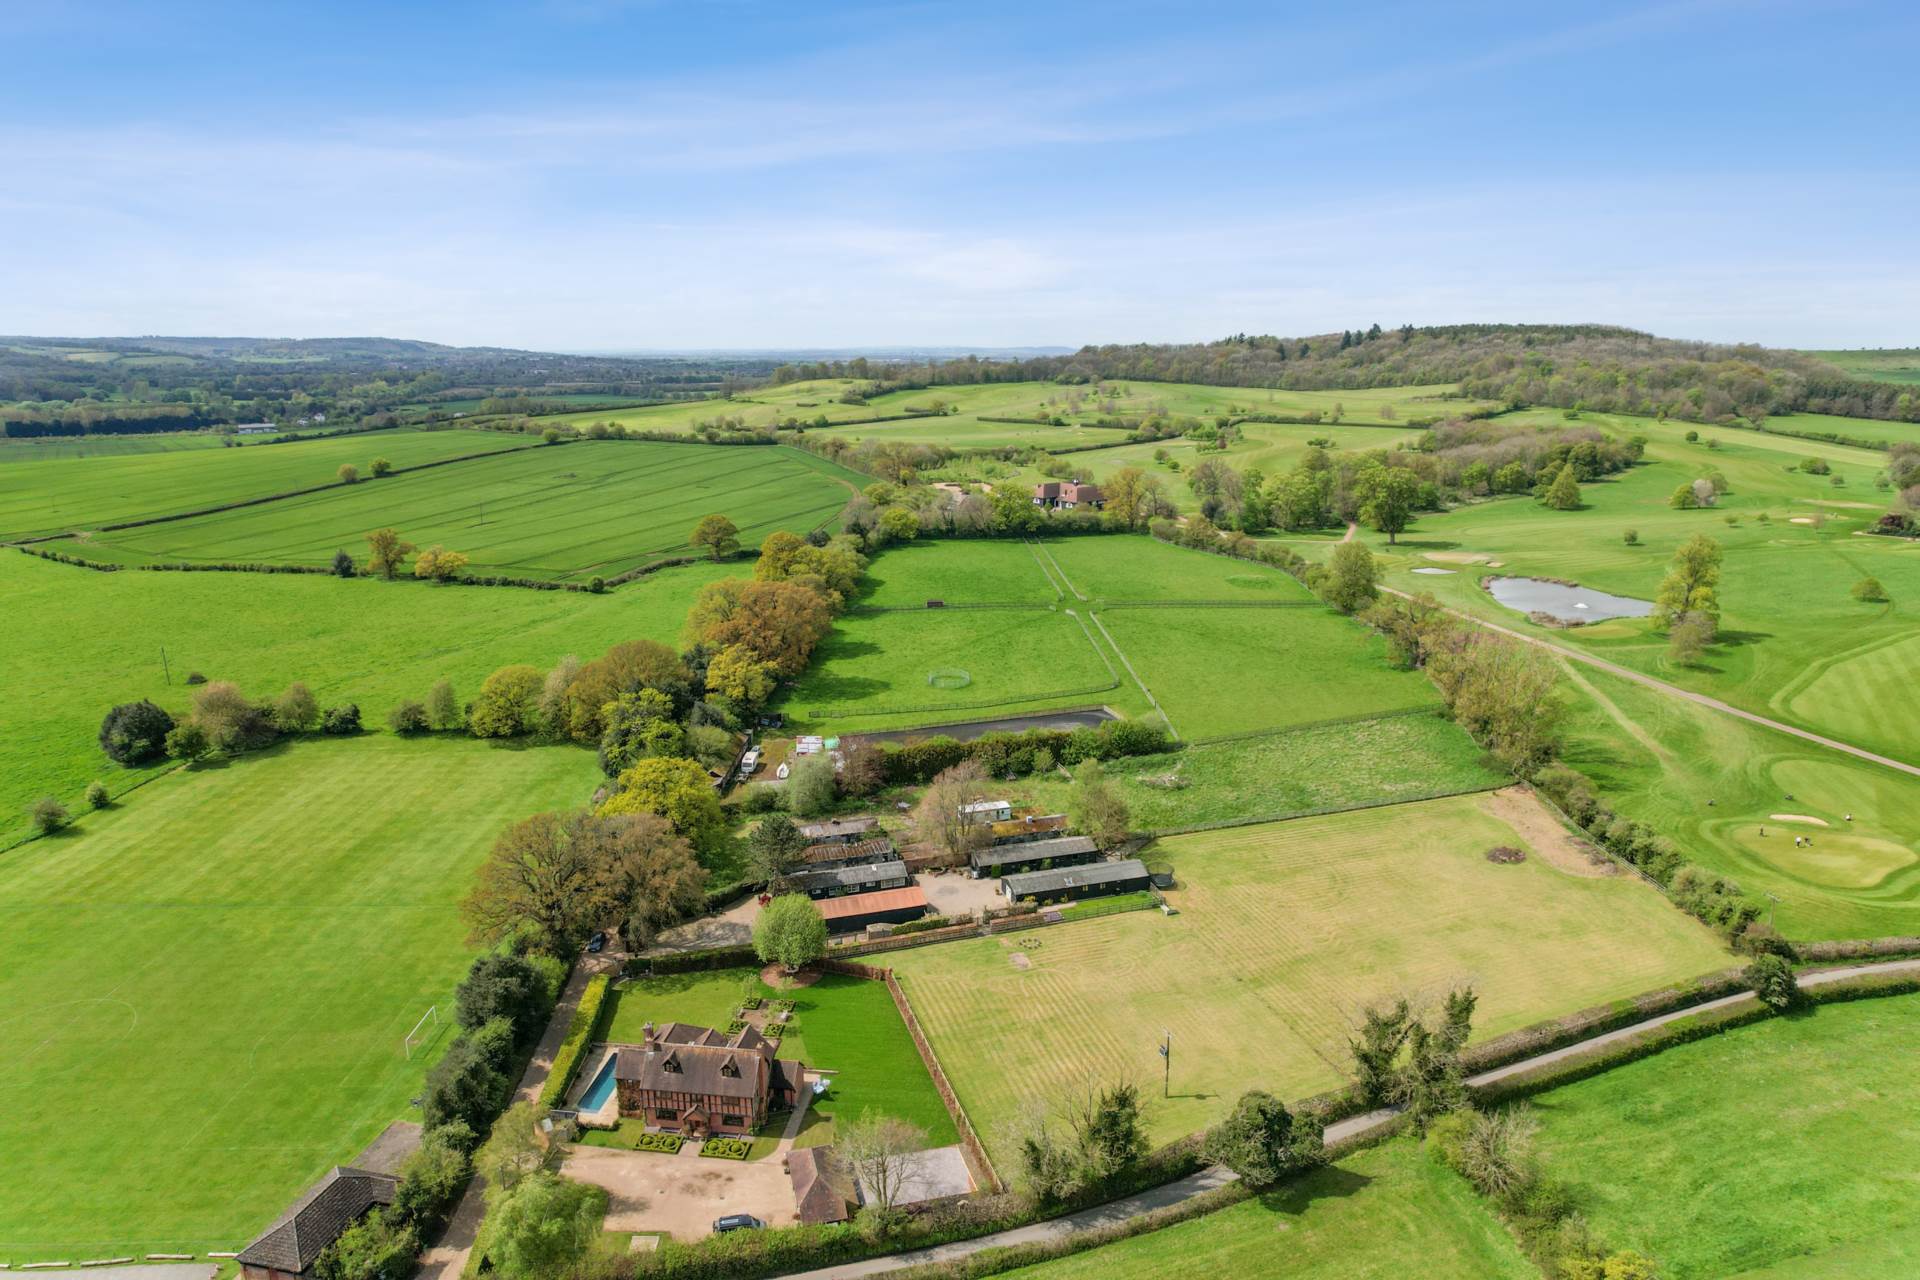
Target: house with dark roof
[[840, 830], [1068, 494], [693, 1080], [823, 857], [1068, 884], [293, 1243], [887, 906], [838, 882], [820, 1190], [1036, 855]]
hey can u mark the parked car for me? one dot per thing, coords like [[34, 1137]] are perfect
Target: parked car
[[736, 1222], [598, 942]]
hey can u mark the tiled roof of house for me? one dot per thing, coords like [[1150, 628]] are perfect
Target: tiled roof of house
[[817, 1185], [683, 1058], [317, 1218]]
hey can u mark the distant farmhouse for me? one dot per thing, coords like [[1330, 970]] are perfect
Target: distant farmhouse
[[1067, 495]]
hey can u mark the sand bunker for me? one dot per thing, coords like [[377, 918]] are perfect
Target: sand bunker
[[1430, 570], [1800, 519], [1457, 557], [1797, 817]]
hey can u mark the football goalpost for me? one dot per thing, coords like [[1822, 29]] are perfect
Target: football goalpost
[[423, 1031]]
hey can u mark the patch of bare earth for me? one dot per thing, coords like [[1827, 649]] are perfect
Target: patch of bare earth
[[1540, 831]]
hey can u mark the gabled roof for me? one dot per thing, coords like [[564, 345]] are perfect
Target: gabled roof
[[317, 1218], [687, 1059], [860, 904], [835, 827], [876, 850], [852, 879], [817, 1185], [1028, 883], [1033, 851]]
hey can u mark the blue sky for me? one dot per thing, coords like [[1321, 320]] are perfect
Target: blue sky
[[591, 174]]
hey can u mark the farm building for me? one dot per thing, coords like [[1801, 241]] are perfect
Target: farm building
[[887, 906], [1067, 494], [820, 1189], [840, 830], [986, 811], [1036, 855], [1032, 826], [693, 1080], [821, 857], [255, 429], [839, 882], [1067, 884], [294, 1242]]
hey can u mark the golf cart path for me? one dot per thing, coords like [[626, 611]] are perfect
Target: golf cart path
[[1215, 1176], [1628, 673]]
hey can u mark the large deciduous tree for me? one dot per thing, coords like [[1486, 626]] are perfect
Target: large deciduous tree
[[678, 790], [135, 733], [627, 667], [1349, 582], [719, 536], [508, 703], [385, 552], [1263, 1142], [1387, 497], [790, 932], [778, 622], [1691, 584]]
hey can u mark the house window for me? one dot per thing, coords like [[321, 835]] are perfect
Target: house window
[[664, 1113], [738, 1122]]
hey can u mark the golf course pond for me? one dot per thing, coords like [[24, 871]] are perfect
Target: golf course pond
[[1567, 603]]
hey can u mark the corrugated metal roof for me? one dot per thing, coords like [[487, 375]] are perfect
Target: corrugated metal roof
[[859, 904]]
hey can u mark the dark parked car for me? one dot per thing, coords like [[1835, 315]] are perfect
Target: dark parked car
[[597, 942], [736, 1222]]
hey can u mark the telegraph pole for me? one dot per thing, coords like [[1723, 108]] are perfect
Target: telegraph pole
[[165, 670], [1772, 898], [1166, 1058]]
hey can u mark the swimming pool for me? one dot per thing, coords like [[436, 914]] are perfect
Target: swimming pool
[[601, 1089]]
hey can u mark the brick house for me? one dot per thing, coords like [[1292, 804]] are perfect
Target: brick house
[[1067, 495], [693, 1080]]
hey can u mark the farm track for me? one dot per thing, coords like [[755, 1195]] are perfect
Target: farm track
[[1054, 1230], [1674, 690]]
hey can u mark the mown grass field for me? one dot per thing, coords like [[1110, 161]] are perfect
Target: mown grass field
[[1285, 931], [1890, 364], [595, 508], [1107, 570], [996, 571], [1711, 782], [78, 491], [82, 641], [1382, 1214], [1285, 774], [1820, 1111], [48, 448], [203, 992], [846, 1025], [1795, 646], [876, 671]]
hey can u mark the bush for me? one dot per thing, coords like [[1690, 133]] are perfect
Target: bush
[[1869, 591], [409, 717], [580, 1033], [135, 733], [188, 742], [1771, 978], [295, 711], [48, 815], [342, 564], [194, 677], [341, 720], [97, 795], [502, 986], [670, 1143], [463, 1087], [726, 1148]]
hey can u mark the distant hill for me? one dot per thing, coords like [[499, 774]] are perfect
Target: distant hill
[[1599, 367]]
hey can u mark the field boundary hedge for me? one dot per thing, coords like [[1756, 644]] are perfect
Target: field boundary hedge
[[582, 1031]]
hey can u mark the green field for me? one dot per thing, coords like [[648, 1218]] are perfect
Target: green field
[[49, 448], [987, 571], [71, 491], [1382, 1214], [1796, 646], [1285, 774], [84, 641], [203, 993], [845, 1025], [1284, 931], [1785, 1149], [1887, 364], [1109, 570], [595, 508], [1712, 782]]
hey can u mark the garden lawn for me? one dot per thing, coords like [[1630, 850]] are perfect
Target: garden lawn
[[567, 513], [1284, 932], [70, 489], [1385, 1213], [204, 992], [1285, 774], [1794, 646], [1791, 1145], [1711, 783], [845, 1025], [81, 641]]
